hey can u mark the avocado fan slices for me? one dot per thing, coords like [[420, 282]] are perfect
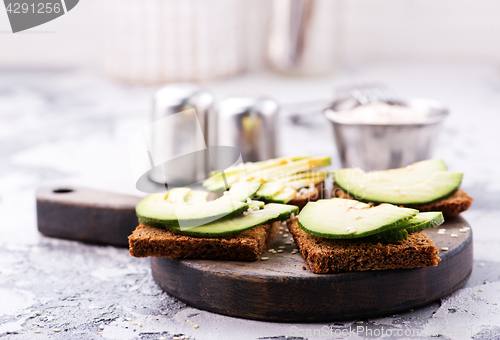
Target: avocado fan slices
[[281, 177], [185, 211], [158, 210]]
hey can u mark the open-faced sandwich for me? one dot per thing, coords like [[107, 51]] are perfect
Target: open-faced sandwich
[[288, 180], [385, 231], [183, 224], [339, 235]]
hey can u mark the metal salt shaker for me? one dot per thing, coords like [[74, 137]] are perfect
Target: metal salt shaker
[[250, 125], [182, 137]]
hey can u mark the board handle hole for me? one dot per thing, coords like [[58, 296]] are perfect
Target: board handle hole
[[62, 191]]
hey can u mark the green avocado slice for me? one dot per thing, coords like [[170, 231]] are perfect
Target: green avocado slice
[[234, 174], [232, 225], [343, 218], [365, 187], [420, 222], [197, 197], [252, 204], [305, 175], [285, 210], [284, 196], [269, 189], [240, 191], [424, 220], [412, 174], [277, 172], [237, 224], [306, 182], [156, 209], [177, 195]]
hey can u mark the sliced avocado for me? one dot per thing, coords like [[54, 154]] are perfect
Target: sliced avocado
[[197, 197], [237, 224], [412, 174], [400, 233], [343, 218], [232, 225], [221, 185], [177, 195], [304, 175], [440, 184], [233, 174], [424, 220], [284, 196], [306, 182], [285, 210], [240, 191], [155, 209], [277, 172], [269, 189], [252, 204]]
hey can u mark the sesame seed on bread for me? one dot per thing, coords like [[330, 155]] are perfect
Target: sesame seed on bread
[[324, 255], [245, 246], [311, 196], [450, 206]]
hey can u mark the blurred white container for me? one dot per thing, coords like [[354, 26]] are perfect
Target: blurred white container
[[159, 41]]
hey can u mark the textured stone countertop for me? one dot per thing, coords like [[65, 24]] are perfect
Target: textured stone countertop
[[71, 127]]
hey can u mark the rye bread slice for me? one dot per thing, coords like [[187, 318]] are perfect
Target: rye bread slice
[[325, 255], [246, 246], [450, 206]]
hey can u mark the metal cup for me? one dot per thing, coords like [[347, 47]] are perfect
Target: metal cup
[[250, 125], [387, 146], [181, 136]]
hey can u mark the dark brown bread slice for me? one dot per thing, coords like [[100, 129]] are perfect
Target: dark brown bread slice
[[246, 246], [328, 255], [450, 206], [316, 194]]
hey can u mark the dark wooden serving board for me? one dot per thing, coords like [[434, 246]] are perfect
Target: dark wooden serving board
[[86, 215], [279, 289]]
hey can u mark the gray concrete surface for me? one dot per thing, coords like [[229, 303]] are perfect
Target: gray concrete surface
[[71, 127]]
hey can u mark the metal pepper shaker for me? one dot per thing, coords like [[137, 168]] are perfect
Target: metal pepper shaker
[[250, 125], [181, 134]]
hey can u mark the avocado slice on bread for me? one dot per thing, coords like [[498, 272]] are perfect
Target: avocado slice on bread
[[183, 224], [336, 235], [291, 179], [425, 186], [344, 218]]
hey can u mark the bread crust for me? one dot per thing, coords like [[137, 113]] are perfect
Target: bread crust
[[452, 205], [246, 246], [324, 255]]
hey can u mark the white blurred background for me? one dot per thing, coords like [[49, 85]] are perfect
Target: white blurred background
[[366, 31]]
